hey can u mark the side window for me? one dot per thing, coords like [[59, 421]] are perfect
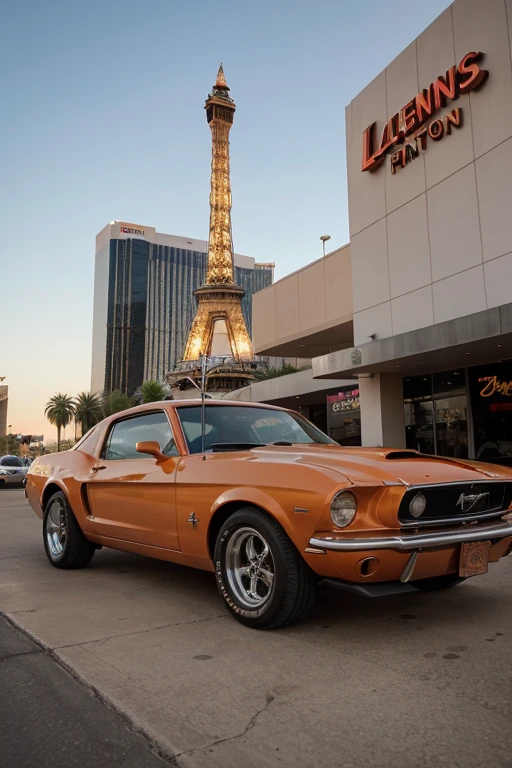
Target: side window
[[124, 436], [191, 422]]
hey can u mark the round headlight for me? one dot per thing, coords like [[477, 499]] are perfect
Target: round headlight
[[343, 508], [417, 505]]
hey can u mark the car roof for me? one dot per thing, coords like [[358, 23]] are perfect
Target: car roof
[[186, 403], [197, 401]]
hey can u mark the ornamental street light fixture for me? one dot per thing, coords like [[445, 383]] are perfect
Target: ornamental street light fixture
[[323, 238]]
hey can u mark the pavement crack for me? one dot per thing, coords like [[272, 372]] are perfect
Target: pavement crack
[[108, 663], [103, 640], [250, 725]]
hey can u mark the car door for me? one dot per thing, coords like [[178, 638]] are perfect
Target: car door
[[131, 496]]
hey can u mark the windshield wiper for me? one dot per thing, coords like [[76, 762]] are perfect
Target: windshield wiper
[[216, 447]]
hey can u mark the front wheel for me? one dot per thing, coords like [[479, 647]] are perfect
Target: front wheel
[[438, 582], [64, 542], [261, 576]]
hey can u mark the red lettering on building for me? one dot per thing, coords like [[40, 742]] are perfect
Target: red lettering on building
[[458, 80]]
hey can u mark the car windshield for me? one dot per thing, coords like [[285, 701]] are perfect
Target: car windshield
[[11, 461], [237, 427]]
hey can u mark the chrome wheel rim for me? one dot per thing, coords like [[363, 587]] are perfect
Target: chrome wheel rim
[[250, 567], [56, 529]]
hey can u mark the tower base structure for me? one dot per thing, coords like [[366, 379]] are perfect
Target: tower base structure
[[219, 326], [218, 332], [223, 375]]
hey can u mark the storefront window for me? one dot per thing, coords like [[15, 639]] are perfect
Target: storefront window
[[419, 426], [452, 426], [491, 401], [449, 383], [418, 388], [344, 417], [436, 413]]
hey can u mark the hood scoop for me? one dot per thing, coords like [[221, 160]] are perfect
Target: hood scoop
[[399, 455]]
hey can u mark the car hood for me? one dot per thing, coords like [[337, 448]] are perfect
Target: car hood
[[388, 465]]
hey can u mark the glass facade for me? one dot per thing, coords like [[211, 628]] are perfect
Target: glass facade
[[490, 389], [151, 306], [436, 413], [466, 413]]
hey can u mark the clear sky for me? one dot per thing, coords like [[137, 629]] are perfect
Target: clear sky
[[102, 118]]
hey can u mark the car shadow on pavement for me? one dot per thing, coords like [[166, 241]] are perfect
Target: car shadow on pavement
[[444, 608], [333, 607], [110, 561]]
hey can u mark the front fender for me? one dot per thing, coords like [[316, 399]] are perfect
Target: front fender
[[297, 525]]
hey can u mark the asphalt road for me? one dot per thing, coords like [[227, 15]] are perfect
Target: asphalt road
[[414, 680], [49, 719]]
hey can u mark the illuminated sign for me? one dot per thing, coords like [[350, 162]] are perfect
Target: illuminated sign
[[344, 401], [412, 117], [132, 231], [493, 386]]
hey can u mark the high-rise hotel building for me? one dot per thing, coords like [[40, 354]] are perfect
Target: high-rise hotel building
[[144, 304]]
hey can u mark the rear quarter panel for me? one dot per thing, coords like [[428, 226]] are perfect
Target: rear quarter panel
[[59, 471]]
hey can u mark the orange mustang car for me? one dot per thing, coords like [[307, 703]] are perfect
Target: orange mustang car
[[273, 506]]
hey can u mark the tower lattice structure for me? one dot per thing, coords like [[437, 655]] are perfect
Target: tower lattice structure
[[219, 326]]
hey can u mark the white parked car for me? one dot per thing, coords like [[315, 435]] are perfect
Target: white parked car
[[13, 471]]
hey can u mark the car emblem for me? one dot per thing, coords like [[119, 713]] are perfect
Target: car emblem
[[467, 501], [193, 520]]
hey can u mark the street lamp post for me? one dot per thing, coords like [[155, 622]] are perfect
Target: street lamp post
[[324, 238]]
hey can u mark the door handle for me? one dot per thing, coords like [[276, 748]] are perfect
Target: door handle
[[97, 467]]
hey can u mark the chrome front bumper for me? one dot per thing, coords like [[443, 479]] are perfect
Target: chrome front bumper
[[410, 543]]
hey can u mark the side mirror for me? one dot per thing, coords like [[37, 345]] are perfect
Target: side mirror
[[152, 448]]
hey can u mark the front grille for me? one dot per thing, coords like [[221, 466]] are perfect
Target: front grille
[[454, 502]]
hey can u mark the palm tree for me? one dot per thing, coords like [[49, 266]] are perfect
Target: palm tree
[[115, 402], [152, 391], [88, 410], [59, 411]]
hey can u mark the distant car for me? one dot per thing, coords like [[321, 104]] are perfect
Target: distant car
[[12, 471], [270, 504]]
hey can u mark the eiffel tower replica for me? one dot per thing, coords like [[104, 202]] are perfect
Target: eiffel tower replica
[[218, 332]]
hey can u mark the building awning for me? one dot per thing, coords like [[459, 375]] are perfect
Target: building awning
[[483, 337]]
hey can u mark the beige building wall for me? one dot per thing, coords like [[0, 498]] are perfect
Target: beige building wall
[[307, 312], [432, 242]]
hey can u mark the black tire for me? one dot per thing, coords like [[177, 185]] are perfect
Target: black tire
[[67, 548], [438, 582], [292, 589]]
